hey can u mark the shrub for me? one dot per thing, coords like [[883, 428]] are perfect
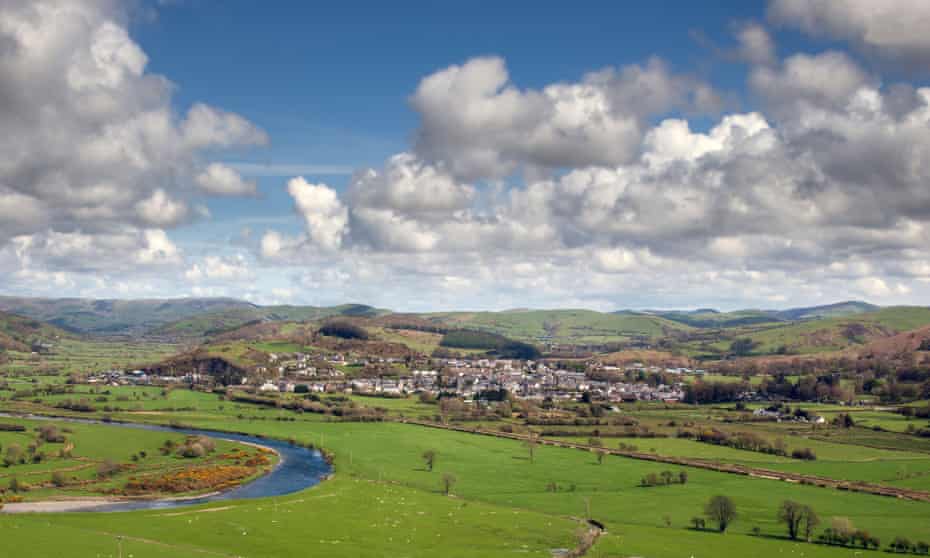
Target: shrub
[[107, 469], [343, 330], [58, 479], [806, 454], [49, 433]]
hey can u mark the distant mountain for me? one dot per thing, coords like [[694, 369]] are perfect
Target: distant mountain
[[176, 316], [216, 323], [561, 326], [709, 318], [109, 317], [713, 318], [836, 310]]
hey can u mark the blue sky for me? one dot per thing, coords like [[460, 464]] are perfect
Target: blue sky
[[439, 155]]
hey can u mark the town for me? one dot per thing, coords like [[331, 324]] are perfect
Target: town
[[470, 379]]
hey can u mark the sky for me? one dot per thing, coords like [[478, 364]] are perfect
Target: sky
[[437, 155]]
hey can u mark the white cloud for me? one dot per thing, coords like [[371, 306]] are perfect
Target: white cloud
[[888, 29], [221, 180], [755, 44], [474, 120], [325, 216], [91, 141], [161, 210], [217, 268]]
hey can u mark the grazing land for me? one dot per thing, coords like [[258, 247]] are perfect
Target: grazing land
[[605, 438]]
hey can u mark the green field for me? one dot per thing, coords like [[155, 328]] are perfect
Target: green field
[[91, 450]]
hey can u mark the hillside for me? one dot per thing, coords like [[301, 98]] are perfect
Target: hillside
[[837, 310], [834, 334], [563, 326], [711, 318], [182, 317], [219, 323], [19, 334], [707, 318], [114, 316]]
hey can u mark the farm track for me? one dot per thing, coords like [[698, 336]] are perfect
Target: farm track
[[758, 472]]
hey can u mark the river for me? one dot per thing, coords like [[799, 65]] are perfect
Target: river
[[298, 468]]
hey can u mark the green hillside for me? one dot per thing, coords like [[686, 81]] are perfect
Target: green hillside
[[213, 323], [563, 326], [20, 334], [837, 310], [714, 319], [833, 334], [114, 316]]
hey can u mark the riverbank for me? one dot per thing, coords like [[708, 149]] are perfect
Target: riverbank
[[295, 468]]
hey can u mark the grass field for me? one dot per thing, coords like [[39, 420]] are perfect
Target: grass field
[[384, 502], [130, 454], [82, 355]]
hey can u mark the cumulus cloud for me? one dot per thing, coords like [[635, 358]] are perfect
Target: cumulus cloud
[[827, 177], [90, 141], [891, 30], [479, 124], [222, 180], [755, 44], [324, 213], [220, 269]]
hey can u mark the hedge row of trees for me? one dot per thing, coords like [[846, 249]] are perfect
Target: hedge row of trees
[[800, 520], [747, 441], [665, 478]]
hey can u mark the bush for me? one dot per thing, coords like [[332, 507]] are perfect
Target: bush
[[107, 469], [50, 433], [343, 330], [192, 450], [58, 479], [806, 454]]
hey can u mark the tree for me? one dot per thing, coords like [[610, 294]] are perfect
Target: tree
[[14, 455], [721, 510], [666, 477], [810, 522], [743, 346], [900, 544], [798, 518], [448, 481], [429, 458], [600, 456], [531, 444], [683, 477]]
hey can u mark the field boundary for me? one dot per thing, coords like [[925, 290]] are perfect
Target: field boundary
[[757, 472]]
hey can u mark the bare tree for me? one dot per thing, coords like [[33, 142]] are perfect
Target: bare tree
[[531, 443], [448, 481], [721, 510], [429, 458]]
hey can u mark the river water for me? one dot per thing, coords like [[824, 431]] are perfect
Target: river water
[[298, 468]]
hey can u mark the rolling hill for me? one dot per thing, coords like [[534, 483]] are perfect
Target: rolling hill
[[218, 323], [562, 326], [21, 334], [190, 317], [108, 317], [834, 334], [837, 310], [711, 318]]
